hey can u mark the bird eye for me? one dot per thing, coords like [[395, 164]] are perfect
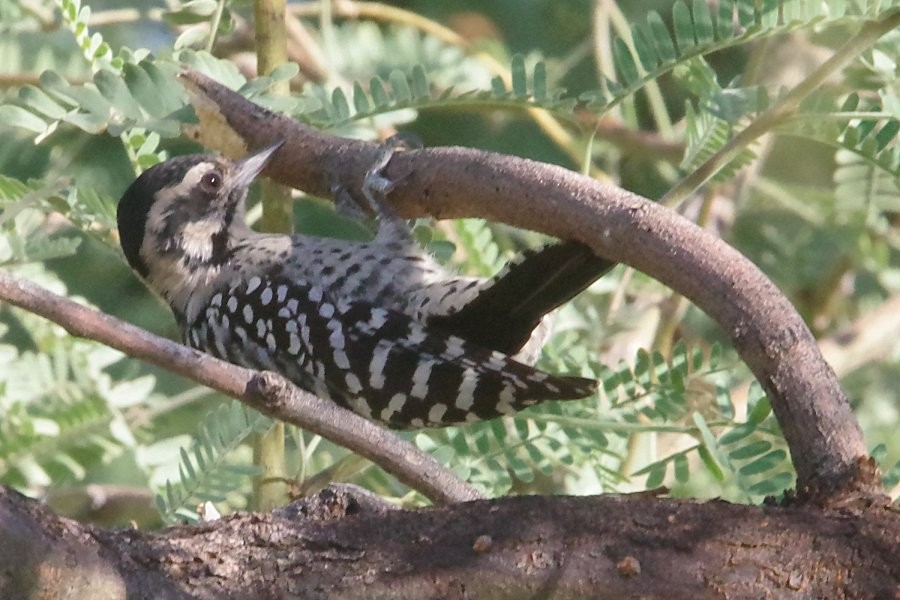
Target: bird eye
[[211, 182]]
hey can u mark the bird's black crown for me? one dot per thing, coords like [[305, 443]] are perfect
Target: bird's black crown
[[136, 202]]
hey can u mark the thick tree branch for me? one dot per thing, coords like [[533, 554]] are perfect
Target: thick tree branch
[[335, 546], [824, 437], [267, 392]]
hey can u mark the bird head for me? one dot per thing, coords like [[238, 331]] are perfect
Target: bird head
[[179, 219]]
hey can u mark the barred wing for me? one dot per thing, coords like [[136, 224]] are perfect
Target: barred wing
[[378, 362]]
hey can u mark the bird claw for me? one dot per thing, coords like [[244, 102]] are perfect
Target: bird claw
[[346, 205], [376, 186]]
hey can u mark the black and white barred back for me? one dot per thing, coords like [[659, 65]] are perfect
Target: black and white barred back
[[377, 327]]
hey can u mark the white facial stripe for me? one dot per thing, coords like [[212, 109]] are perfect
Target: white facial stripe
[[166, 199], [167, 273], [183, 188], [196, 238]]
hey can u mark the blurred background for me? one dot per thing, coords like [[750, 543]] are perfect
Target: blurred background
[[644, 94]]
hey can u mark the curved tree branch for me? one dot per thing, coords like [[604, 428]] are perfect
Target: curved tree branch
[[823, 435], [267, 392]]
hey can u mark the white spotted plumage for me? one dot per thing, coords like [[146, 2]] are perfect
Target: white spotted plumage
[[403, 371], [377, 326], [420, 379]]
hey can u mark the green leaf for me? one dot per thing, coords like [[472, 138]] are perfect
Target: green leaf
[[624, 63], [709, 440], [662, 41], [521, 470], [887, 134], [764, 463], [400, 88], [88, 122], [750, 450], [419, 81], [482, 444], [760, 411], [143, 90], [850, 103], [656, 474], [684, 29], [16, 116], [223, 71], [87, 98], [519, 77], [41, 102], [772, 484], [737, 433], [379, 94], [360, 99], [498, 87], [191, 37], [186, 463], [703, 27], [682, 471], [113, 88], [191, 12], [710, 463], [540, 81], [340, 105], [643, 45]]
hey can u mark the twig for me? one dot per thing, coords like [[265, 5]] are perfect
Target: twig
[[266, 392]]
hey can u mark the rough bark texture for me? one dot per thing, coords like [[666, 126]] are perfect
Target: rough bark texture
[[824, 437], [337, 546]]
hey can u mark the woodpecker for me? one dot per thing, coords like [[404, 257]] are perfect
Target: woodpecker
[[378, 327]]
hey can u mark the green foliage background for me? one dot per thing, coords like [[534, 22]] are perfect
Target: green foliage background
[[641, 94]]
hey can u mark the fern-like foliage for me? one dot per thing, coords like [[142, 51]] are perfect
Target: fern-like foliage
[[22, 209], [207, 472], [650, 52], [864, 178], [61, 409], [720, 112], [96, 50], [140, 98], [477, 248], [699, 29], [890, 474], [414, 91], [866, 130], [749, 456]]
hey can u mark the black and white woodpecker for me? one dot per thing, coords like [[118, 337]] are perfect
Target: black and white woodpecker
[[378, 327]]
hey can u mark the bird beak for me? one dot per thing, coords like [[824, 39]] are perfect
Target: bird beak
[[246, 169]]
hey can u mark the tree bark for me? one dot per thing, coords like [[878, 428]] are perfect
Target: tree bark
[[336, 545]]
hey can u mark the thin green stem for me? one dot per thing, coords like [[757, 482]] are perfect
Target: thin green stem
[[616, 426], [214, 25], [783, 109], [270, 487]]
